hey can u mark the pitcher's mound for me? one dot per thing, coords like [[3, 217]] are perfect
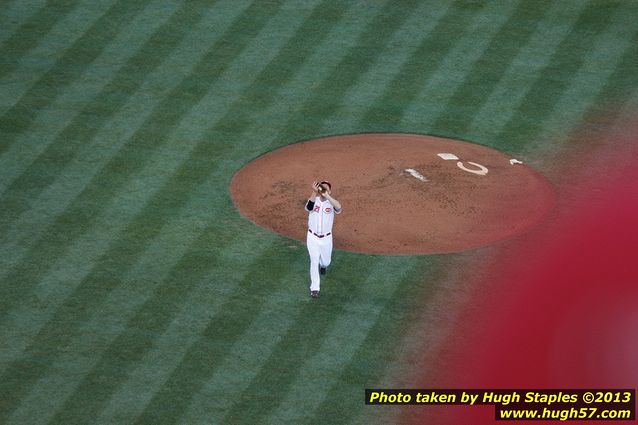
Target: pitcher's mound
[[401, 193]]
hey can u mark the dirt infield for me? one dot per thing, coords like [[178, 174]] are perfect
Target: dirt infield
[[401, 193]]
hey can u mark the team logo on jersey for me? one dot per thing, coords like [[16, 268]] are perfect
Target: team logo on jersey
[[327, 210], [317, 208]]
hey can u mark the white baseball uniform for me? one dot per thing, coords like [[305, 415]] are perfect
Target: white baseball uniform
[[319, 240]]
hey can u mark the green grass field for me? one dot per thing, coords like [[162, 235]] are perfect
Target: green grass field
[[133, 291]]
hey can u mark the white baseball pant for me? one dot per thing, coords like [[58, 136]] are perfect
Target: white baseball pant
[[320, 250]]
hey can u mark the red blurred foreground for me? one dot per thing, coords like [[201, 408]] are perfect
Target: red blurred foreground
[[559, 306]]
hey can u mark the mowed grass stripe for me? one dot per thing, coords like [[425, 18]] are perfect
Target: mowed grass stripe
[[280, 99], [466, 98], [614, 107], [29, 33], [328, 95], [124, 253], [438, 293], [265, 120], [33, 64], [277, 108], [147, 183], [161, 164], [103, 183], [145, 280], [605, 54], [254, 101], [311, 325], [174, 234], [66, 69], [120, 130], [539, 102], [201, 301], [128, 325], [91, 244], [517, 79], [119, 206], [257, 126], [231, 331], [457, 65], [388, 64], [230, 379], [620, 87], [139, 283], [251, 348], [426, 93], [371, 359], [385, 113], [238, 312], [15, 14], [342, 340], [30, 164]]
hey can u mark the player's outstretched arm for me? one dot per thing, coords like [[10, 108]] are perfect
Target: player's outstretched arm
[[336, 204]]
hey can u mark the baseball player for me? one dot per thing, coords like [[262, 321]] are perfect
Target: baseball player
[[321, 207]]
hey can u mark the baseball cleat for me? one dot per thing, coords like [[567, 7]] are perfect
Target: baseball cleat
[[314, 294], [322, 270]]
